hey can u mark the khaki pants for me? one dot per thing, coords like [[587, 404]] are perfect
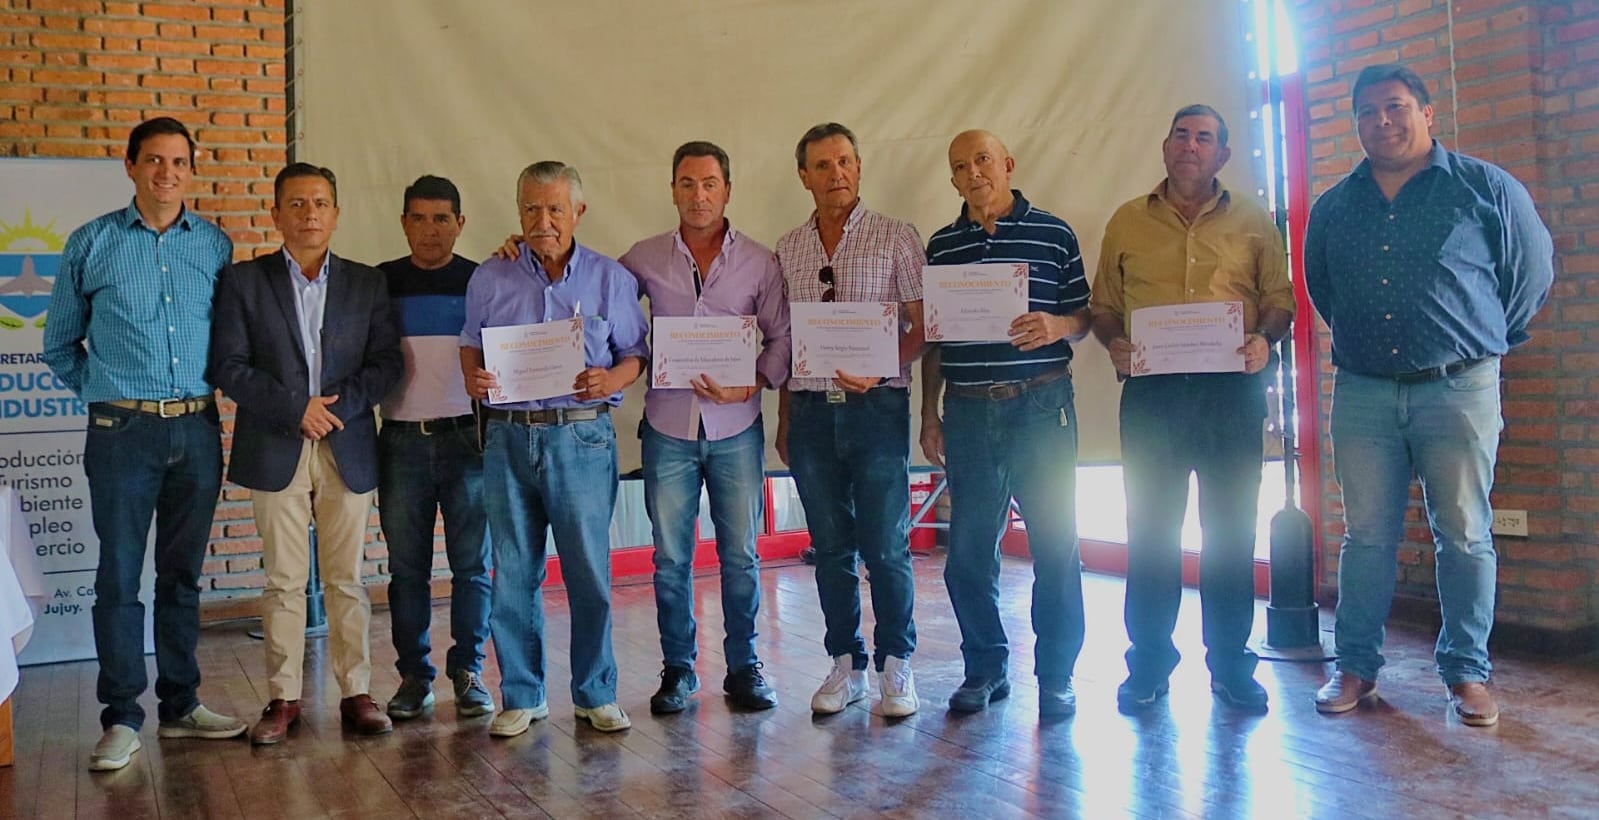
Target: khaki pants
[[341, 519]]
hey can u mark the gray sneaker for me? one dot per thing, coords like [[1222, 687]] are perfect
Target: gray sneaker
[[413, 698], [115, 749], [203, 723], [472, 699]]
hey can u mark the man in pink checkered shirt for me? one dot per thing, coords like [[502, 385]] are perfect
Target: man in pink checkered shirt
[[853, 432]]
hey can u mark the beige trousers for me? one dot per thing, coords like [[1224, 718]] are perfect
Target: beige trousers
[[341, 520]]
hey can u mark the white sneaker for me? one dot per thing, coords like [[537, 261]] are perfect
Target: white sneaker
[[115, 749], [844, 685], [513, 722], [607, 718], [899, 688]]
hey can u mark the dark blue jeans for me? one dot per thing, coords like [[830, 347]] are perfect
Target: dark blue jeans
[[732, 472], [420, 475], [1026, 448], [143, 467], [851, 465], [1209, 424]]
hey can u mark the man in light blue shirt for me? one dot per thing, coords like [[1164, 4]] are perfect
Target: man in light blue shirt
[[550, 464], [128, 331]]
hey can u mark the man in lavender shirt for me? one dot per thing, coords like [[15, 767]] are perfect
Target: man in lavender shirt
[[550, 464], [710, 435]]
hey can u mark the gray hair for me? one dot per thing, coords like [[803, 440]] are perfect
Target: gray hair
[[1201, 110], [820, 132], [550, 171]]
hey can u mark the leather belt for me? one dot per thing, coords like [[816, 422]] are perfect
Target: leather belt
[[1433, 374], [1004, 391], [165, 408], [553, 416], [428, 427]]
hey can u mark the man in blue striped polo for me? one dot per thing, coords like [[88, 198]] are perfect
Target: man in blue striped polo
[[135, 287], [1011, 430]]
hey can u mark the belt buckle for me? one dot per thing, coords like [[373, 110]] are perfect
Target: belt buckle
[[161, 408], [422, 427], [836, 397], [999, 391]]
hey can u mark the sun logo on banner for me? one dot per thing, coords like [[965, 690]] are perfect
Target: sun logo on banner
[[30, 255]]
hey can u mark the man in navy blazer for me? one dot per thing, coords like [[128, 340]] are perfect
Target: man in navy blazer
[[306, 344]]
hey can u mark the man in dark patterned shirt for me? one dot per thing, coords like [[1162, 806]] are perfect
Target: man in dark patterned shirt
[[1428, 266]]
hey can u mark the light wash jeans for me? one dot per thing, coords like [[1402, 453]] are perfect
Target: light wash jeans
[[1446, 432]]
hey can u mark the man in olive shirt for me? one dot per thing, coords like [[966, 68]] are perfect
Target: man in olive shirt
[[1191, 241]]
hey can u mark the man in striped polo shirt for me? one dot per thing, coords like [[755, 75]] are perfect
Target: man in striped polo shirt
[[136, 287], [430, 460], [1009, 429], [852, 466], [1190, 240]]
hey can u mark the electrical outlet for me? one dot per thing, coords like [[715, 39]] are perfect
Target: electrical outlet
[[1510, 522]]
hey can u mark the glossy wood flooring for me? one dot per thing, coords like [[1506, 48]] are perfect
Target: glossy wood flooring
[[1400, 756]]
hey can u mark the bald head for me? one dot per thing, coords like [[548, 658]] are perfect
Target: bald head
[[980, 167]]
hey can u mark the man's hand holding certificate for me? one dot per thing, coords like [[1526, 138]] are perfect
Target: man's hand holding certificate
[[973, 303], [1204, 337], [715, 350], [532, 362], [857, 338]]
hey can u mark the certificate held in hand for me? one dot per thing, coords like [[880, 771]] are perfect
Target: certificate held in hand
[[1203, 337], [721, 347], [973, 303], [858, 338], [533, 361]]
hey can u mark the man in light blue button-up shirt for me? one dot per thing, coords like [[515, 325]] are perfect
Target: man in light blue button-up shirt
[[128, 331], [550, 465]]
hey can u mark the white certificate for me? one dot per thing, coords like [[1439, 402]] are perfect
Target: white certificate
[[534, 361], [973, 303], [1199, 338], [858, 338], [721, 347]]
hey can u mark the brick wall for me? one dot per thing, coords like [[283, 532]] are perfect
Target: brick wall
[[76, 75], [1515, 82]]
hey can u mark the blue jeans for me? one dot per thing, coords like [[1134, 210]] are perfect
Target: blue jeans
[[733, 473], [542, 478], [1447, 433], [1209, 424], [1024, 447], [851, 466], [140, 467], [419, 475]]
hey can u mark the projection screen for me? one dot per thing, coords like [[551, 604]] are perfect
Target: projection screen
[[1081, 91]]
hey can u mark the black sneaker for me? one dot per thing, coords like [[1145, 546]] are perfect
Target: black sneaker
[[677, 684], [1056, 698], [472, 698], [413, 698], [747, 689]]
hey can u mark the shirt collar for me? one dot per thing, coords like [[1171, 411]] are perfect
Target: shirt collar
[[727, 238], [1219, 201], [1438, 157], [855, 215], [132, 218], [298, 273], [1019, 209], [573, 265]]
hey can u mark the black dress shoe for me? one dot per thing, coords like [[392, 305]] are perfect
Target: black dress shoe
[[1136, 696], [1056, 699], [678, 683], [976, 693], [1243, 694], [747, 688]]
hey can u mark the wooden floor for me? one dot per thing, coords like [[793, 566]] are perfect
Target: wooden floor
[[1402, 756]]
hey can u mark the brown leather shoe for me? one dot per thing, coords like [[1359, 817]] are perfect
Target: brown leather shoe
[[275, 721], [1343, 692], [364, 716], [1474, 704]]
